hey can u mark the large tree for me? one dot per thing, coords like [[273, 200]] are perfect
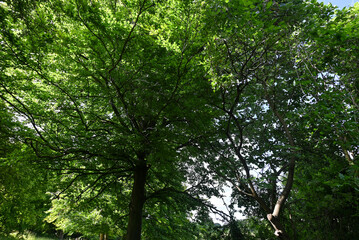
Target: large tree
[[265, 64], [111, 91]]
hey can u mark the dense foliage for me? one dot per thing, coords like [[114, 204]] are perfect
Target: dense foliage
[[120, 119]]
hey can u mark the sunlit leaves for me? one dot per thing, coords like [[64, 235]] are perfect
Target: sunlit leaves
[[105, 87]]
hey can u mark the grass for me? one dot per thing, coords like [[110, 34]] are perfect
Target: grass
[[26, 236], [30, 236], [34, 237], [2, 237], [39, 238]]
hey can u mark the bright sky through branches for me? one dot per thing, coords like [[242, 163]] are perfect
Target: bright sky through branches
[[341, 3]]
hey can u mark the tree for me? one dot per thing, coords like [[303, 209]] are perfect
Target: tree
[[258, 65], [115, 97], [110, 89], [327, 180]]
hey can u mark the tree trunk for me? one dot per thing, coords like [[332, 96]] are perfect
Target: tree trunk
[[103, 236], [60, 233], [278, 227], [136, 205]]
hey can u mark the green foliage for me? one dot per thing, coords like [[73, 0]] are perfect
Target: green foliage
[[22, 198], [201, 94], [105, 88], [277, 83], [90, 217]]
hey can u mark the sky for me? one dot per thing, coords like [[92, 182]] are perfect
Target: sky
[[340, 3]]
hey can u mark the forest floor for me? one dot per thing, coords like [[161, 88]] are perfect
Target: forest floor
[[33, 236], [27, 236]]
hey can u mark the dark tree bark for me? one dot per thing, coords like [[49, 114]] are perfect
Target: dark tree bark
[[60, 233], [138, 199]]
